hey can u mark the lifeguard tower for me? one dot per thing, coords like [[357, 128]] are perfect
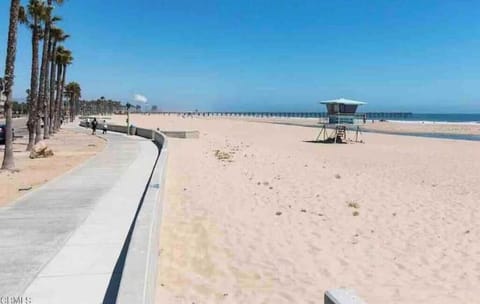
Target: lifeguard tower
[[340, 118]]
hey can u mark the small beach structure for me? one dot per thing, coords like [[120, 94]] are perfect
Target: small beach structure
[[341, 117]]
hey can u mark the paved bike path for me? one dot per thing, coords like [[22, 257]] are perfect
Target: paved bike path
[[59, 244]]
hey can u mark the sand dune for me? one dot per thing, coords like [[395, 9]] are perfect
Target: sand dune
[[271, 218]]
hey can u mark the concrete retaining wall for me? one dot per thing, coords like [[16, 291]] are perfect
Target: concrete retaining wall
[[145, 133], [182, 134], [115, 128], [148, 133], [342, 296], [138, 281]]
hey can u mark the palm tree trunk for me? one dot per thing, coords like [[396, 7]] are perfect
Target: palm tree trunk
[[8, 160], [52, 87], [46, 94], [75, 107], [70, 108], [58, 99], [32, 102], [64, 73], [41, 90], [42, 98]]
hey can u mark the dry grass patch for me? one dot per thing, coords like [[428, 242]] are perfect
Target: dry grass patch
[[353, 204], [223, 156]]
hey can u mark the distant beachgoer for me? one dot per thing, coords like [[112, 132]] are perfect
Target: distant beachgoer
[[105, 127], [364, 118], [94, 126]]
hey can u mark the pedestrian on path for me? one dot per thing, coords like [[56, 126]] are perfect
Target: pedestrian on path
[[105, 127], [94, 126]]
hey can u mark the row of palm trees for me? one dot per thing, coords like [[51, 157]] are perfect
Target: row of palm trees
[[100, 106], [48, 73], [73, 92]]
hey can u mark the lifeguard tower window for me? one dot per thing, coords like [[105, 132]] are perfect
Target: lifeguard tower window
[[339, 108]]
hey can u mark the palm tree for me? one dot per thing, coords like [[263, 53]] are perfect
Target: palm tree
[[43, 97], [43, 77], [74, 92], [60, 58], [110, 106], [56, 35], [8, 160], [102, 105], [32, 17], [64, 58], [46, 88]]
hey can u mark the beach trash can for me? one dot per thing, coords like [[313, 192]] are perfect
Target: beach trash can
[[133, 130]]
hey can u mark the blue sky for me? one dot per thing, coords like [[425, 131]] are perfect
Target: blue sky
[[420, 56]]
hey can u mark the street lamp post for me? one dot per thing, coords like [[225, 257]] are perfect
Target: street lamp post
[[128, 118]]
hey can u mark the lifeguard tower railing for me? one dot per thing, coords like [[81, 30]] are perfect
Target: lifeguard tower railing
[[347, 119]]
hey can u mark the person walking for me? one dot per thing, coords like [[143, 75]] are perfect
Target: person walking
[[105, 127], [94, 126]]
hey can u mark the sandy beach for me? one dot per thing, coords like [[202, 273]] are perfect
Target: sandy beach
[[254, 213], [70, 148]]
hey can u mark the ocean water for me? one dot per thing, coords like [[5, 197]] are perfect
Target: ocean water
[[390, 116], [459, 119], [443, 118]]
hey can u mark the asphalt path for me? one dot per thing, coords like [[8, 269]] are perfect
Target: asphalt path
[[19, 125]]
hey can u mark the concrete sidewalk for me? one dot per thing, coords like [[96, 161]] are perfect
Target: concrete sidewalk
[[60, 243]]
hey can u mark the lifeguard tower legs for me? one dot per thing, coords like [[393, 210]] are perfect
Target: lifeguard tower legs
[[338, 134]]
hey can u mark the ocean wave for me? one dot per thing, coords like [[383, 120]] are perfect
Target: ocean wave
[[435, 122]]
